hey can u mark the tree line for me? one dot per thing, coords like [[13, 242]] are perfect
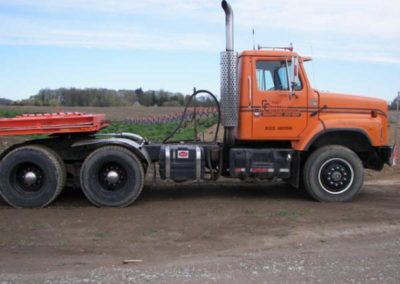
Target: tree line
[[393, 104], [95, 97]]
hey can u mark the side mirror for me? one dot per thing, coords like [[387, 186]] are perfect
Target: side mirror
[[294, 75]]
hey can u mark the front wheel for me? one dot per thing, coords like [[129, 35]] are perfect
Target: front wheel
[[333, 174]]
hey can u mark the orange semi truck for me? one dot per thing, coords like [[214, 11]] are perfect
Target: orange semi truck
[[276, 126]]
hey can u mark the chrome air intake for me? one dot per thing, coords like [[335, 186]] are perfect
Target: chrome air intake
[[229, 96], [229, 89]]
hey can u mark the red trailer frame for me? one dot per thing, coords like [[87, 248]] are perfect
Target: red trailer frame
[[52, 123]]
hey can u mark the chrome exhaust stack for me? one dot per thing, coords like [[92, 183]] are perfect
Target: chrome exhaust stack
[[229, 84], [229, 25]]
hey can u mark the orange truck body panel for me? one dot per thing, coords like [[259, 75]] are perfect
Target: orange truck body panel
[[276, 115]]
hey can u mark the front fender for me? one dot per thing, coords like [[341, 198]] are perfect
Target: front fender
[[127, 143]]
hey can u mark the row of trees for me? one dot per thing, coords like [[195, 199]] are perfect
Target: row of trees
[[393, 105], [106, 97]]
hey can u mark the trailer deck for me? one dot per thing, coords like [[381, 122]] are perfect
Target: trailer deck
[[52, 123]]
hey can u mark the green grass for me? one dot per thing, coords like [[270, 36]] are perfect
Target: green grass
[[8, 113], [157, 132], [250, 211], [100, 234]]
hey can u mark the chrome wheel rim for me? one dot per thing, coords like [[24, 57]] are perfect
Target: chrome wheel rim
[[336, 176], [112, 176], [28, 177]]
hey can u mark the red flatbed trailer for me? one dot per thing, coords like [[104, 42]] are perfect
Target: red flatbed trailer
[[52, 123]]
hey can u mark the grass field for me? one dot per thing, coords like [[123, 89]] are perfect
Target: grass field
[[158, 131]]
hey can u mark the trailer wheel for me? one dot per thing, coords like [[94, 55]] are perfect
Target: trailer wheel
[[112, 176], [31, 176], [333, 174]]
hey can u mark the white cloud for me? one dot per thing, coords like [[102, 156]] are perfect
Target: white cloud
[[374, 18], [356, 30], [115, 6], [356, 17], [17, 31], [360, 30]]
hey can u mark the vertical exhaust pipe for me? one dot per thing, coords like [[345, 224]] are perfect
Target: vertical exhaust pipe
[[229, 93], [229, 25]]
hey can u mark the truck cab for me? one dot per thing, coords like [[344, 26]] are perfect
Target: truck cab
[[278, 103], [269, 109]]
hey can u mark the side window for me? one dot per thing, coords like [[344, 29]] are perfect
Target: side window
[[265, 79], [272, 76]]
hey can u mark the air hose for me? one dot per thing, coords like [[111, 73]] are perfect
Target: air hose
[[179, 126]]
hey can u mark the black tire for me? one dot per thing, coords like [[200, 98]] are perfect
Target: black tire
[[333, 174], [126, 186], [31, 176]]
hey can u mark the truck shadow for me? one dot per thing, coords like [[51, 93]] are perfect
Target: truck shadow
[[229, 190], [73, 198]]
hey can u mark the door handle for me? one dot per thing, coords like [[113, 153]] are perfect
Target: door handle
[[250, 91]]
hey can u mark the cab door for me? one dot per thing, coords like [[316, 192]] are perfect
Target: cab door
[[278, 113]]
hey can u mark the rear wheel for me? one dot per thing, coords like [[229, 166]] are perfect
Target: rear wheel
[[31, 176], [112, 176], [333, 174]]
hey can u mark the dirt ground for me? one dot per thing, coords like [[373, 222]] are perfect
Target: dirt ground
[[206, 233], [225, 232]]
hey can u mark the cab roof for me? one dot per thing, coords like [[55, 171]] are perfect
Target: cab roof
[[274, 53]]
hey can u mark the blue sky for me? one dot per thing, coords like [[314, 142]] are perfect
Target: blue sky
[[174, 45]]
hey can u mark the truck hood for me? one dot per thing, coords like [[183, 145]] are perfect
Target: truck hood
[[343, 101]]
